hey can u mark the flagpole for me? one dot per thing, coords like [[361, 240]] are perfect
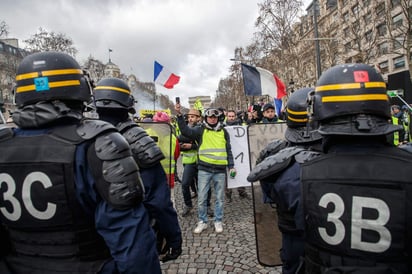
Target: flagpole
[[154, 102]]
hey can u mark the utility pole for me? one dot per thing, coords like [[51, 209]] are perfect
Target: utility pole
[[315, 30]]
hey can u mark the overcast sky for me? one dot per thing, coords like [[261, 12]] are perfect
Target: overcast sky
[[192, 38]]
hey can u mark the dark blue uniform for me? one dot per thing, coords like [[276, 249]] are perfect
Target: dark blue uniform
[[160, 207], [124, 241], [284, 191]]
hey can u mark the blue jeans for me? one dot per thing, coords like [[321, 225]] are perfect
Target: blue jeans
[[204, 181], [189, 172]]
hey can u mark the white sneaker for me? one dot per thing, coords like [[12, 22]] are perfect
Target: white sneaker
[[218, 227], [200, 227]]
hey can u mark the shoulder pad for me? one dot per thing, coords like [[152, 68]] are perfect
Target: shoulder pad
[[125, 125], [112, 146], [273, 164], [145, 150], [6, 133], [120, 170], [407, 147], [306, 155], [126, 189], [89, 129], [271, 149]]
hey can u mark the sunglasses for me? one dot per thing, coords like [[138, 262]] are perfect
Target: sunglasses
[[212, 112]]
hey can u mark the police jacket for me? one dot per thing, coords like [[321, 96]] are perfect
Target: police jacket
[[358, 209], [217, 161], [60, 209], [279, 176], [157, 192]]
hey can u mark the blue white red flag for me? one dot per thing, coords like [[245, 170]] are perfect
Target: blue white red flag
[[278, 106], [164, 77], [258, 81]]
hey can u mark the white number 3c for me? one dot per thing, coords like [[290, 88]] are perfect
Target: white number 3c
[[15, 213]]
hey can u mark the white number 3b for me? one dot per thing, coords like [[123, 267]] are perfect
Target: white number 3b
[[357, 223]]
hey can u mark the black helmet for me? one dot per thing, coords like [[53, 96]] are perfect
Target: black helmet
[[113, 93], [351, 99], [46, 76], [300, 130]]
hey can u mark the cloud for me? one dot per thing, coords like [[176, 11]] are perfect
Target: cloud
[[192, 38]]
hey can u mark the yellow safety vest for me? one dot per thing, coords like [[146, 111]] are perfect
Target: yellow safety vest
[[189, 156], [213, 147], [395, 121]]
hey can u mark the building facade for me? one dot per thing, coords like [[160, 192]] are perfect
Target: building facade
[[10, 57], [374, 32]]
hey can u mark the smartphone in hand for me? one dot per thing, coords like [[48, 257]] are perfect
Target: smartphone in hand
[[177, 100]]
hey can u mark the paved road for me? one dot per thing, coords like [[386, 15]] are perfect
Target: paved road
[[232, 251]]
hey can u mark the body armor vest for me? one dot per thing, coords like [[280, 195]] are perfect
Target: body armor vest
[[48, 228], [145, 151], [357, 208]]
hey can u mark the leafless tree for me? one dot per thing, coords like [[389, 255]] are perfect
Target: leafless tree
[[400, 29], [4, 29], [50, 41], [275, 27], [95, 68]]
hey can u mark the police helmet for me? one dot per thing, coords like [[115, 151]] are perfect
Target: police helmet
[[351, 99], [300, 129], [113, 93], [47, 76]]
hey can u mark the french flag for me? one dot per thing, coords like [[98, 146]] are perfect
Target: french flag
[[164, 77], [258, 81]]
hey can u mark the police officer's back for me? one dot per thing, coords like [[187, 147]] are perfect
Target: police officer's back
[[114, 101], [356, 198], [278, 172], [69, 186]]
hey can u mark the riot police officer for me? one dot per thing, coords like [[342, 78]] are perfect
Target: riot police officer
[[279, 174], [356, 198], [71, 193], [114, 102]]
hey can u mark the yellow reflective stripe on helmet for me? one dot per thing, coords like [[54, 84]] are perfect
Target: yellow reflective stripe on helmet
[[338, 87], [56, 84], [27, 76], [296, 112], [375, 85], [25, 88], [48, 73], [67, 83], [354, 98], [302, 120], [351, 86], [113, 88]]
